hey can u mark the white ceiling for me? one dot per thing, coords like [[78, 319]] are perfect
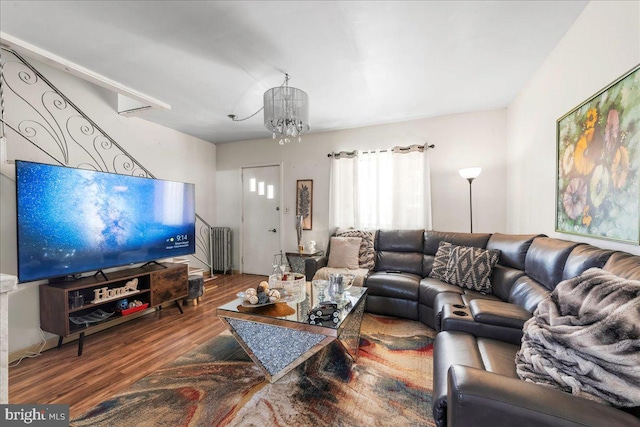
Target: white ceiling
[[361, 62]]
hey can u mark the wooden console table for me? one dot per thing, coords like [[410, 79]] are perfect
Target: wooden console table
[[157, 284]]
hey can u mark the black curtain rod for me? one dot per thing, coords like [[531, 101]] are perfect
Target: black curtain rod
[[353, 153]]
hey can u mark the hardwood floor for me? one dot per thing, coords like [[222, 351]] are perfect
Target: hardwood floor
[[117, 357]]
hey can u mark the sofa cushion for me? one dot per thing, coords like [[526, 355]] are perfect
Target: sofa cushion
[[441, 260], [460, 348], [527, 293], [393, 285], [406, 262], [546, 258], [502, 280], [430, 288], [367, 254], [471, 268], [513, 248], [344, 252], [399, 250]]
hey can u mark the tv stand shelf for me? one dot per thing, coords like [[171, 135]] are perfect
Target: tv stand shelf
[[157, 284]]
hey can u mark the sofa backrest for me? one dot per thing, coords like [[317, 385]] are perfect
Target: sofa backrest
[[432, 240], [399, 250], [543, 268], [624, 265], [546, 258], [584, 257], [513, 251]]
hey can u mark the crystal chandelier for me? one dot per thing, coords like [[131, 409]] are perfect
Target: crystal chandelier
[[286, 112]]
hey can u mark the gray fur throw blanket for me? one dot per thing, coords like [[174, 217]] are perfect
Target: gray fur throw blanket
[[584, 339]]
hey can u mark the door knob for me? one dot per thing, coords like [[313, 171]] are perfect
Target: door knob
[[273, 230]]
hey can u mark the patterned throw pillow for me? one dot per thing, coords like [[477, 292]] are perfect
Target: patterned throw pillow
[[367, 254], [441, 260], [471, 268]]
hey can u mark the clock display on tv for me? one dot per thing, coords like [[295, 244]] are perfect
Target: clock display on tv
[[72, 221]]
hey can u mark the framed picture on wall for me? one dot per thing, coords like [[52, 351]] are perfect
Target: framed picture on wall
[[598, 164], [304, 202]]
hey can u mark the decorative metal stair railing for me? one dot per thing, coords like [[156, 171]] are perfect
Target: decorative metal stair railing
[[39, 113]]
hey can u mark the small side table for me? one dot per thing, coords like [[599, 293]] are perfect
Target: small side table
[[296, 260]]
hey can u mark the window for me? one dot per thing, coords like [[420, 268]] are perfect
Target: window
[[387, 189]]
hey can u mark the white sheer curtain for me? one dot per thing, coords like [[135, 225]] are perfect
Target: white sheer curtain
[[387, 189]]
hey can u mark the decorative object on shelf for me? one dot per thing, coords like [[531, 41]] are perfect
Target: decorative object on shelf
[[94, 317], [106, 294], [336, 287], [76, 299], [470, 174], [325, 314], [286, 112], [311, 246], [598, 164], [123, 304], [279, 264], [134, 307], [321, 285], [292, 286], [299, 220], [304, 203]]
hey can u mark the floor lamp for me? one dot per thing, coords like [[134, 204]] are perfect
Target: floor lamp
[[470, 174]]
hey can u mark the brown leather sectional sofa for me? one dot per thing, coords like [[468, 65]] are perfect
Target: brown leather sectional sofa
[[474, 379]]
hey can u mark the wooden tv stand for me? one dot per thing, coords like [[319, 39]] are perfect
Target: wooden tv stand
[[157, 284]]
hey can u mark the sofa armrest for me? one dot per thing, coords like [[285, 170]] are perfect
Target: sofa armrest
[[479, 398], [459, 318], [313, 264], [498, 313]]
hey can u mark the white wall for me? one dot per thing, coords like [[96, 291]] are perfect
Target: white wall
[[602, 45], [463, 140], [166, 153]]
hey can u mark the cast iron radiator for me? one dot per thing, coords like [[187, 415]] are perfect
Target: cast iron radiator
[[221, 250]]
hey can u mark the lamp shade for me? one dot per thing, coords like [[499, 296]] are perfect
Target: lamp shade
[[470, 173], [286, 111]]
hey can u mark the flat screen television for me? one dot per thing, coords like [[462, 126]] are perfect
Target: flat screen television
[[72, 221]]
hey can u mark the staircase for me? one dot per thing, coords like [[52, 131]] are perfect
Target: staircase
[[44, 117]]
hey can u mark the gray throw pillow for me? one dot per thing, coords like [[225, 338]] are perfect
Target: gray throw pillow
[[471, 268], [441, 260]]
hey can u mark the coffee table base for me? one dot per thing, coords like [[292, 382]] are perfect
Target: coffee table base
[[277, 348]]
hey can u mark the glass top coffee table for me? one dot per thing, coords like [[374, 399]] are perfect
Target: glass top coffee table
[[279, 337]]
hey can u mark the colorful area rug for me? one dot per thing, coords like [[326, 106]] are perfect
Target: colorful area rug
[[217, 384]]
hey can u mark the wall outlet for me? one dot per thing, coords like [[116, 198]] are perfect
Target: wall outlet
[[287, 210]]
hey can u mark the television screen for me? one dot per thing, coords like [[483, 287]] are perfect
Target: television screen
[[72, 221]]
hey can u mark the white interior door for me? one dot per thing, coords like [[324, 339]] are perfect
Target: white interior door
[[260, 218]]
